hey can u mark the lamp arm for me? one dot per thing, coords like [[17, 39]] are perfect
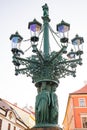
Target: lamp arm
[[70, 71], [39, 55], [23, 71], [26, 60], [57, 55], [66, 61], [69, 61]]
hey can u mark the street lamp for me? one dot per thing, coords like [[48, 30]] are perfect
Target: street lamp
[[46, 67], [63, 28], [16, 41], [77, 42]]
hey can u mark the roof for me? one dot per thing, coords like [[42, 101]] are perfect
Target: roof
[[6, 107], [82, 90], [27, 117]]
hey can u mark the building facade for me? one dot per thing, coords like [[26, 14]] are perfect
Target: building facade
[[14, 118], [76, 110]]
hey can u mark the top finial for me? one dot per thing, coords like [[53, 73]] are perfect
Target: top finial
[[46, 10]]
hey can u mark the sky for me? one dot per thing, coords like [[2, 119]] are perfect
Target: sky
[[15, 16]]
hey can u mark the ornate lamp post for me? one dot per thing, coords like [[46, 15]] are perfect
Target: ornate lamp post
[[47, 67]]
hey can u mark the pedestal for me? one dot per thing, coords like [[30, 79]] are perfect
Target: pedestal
[[47, 128]]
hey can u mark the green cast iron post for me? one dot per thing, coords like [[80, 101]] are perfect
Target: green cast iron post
[[46, 21], [46, 68]]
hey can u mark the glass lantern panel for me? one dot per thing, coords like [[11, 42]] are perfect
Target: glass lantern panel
[[76, 42], [16, 42], [38, 28], [63, 28], [34, 27], [15, 39], [71, 55]]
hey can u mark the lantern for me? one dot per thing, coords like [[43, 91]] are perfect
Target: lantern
[[77, 42], [63, 28], [35, 28], [16, 41]]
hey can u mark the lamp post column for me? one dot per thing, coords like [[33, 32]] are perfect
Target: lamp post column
[[46, 21]]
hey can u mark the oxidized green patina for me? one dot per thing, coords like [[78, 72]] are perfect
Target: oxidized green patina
[[46, 68], [46, 106]]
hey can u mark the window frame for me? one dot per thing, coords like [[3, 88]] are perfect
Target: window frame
[[84, 123], [0, 124], [9, 126], [82, 102], [14, 127]]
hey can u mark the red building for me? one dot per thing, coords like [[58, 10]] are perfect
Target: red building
[[76, 111]]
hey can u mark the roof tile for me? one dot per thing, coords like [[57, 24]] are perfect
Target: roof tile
[[83, 90]]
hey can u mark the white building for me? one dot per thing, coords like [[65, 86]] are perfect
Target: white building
[[14, 118]]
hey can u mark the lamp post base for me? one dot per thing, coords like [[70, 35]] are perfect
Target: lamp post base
[[47, 128]]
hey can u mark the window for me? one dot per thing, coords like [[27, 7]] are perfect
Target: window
[[14, 128], [84, 122], [9, 126], [82, 102], [0, 124]]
